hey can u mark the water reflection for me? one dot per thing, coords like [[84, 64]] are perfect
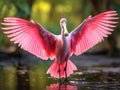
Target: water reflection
[[7, 77], [35, 78], [61, 87], [22, 77]]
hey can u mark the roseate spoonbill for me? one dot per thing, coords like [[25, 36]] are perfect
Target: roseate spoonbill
[[35, 39]]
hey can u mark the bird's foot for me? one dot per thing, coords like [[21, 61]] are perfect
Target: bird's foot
[[66, 80], [60, 82]]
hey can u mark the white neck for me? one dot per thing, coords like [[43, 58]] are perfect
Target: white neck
[[64, 29]]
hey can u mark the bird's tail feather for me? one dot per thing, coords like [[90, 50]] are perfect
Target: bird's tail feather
[[54, 68]]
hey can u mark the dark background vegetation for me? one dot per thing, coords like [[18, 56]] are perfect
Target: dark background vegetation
[[49, 12]]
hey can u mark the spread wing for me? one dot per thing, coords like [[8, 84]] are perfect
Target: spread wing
[[92, 31], [30, 36]]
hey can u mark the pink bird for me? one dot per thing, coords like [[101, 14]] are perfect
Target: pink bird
[[35, 39]]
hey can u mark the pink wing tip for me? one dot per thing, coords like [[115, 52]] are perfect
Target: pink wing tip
[[111, 11], [6, 18], [33, 21], [89, 17], [2, 23]]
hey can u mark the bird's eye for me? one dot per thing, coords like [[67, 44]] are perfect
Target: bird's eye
[[66, 34], [63, 21]]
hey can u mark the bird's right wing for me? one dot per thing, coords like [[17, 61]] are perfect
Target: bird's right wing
[[92, 31], [30, 36]]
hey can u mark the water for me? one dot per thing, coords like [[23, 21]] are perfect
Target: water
[[35, 78]]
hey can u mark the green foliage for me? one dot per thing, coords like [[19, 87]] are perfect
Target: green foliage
[[117, 6], [38, 76], [22, 8], [48, 12], [8, 76]]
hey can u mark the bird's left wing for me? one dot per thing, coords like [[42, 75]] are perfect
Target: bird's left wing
[[30, 36], [92, 31]]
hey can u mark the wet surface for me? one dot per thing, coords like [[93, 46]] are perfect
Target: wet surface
[[19, 76], [12, 78]]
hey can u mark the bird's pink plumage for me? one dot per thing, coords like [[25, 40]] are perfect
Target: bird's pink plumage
[[32, 37]]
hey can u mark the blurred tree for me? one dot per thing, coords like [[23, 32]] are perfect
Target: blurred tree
[[50, 11], [17, 8], [117, 8], [85, 9], [54, 4], [100, 6], [24, 8], [5, 10]]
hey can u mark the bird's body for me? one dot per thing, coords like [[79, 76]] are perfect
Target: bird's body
[[62, 55], [32, 37], [62, 49]]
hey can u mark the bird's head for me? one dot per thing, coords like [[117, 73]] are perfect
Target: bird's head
[[63, 23]]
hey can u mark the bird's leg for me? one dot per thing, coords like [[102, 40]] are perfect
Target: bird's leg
[[59, 75], [65, 69], [59, 72]]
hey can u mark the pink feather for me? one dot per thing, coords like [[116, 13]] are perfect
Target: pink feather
[[92, 31], [35, 39]]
